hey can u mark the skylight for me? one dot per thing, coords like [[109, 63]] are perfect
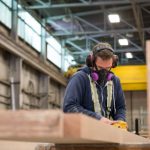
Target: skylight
[[129, 55], [114, 18], [123, 42]]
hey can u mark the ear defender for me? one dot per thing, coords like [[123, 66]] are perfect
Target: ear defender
[[115, 61], [91, 57], [90, 60]]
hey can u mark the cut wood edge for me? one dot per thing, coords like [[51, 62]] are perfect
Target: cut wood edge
[[57, 127], [33, 126], [18, 145]]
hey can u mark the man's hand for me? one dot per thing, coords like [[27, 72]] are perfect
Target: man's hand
[[107, 121]]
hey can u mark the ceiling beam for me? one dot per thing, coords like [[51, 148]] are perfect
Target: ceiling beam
[[84, 1], [138, 20], [138, 59], [87, 13], [67, 41], [94, 40], [122, 20], [137, 48], [95, 27], [117, 51], [76, 46], [132, 43], [80, 4], [86, 22], [40, 1], [146, 10], [108, 32], [59, 27], [119, 34]]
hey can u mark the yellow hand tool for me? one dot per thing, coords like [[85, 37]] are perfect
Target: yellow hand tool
[[120, 124]]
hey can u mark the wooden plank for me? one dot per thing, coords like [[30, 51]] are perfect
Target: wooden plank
[[33, 126], [15, 145], [148, 83], [57, 127], [107, 146], [94, 130]]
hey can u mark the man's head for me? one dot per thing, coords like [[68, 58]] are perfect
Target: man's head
[[101, 61], [103, 52], [103, 56]]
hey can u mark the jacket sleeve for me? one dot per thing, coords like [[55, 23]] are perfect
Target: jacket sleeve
[[74, 95], [120, 104]]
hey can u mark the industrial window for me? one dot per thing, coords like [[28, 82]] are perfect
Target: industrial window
[[5, 15], [7, 2], [29, 29], [54, 51]]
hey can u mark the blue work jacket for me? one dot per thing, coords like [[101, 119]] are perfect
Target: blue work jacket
[[78, 97]]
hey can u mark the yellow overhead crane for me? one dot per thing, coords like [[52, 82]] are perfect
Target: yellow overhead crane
[[132, 77]]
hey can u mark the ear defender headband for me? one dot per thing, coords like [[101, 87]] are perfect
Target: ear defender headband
[[91, 57]]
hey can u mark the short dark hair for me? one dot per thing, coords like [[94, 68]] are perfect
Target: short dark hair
[[104, 54], [103, 50]]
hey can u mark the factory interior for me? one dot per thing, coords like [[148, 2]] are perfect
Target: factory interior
[[44, 42]]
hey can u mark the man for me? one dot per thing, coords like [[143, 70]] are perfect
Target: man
[[94, 90]]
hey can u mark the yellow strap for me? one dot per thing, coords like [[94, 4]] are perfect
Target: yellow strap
[[95, 99], [109, 93]]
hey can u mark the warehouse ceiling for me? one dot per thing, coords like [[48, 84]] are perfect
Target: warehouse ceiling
[[81, 24]]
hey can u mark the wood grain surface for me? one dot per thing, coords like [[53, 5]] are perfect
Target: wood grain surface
[[56, 127]]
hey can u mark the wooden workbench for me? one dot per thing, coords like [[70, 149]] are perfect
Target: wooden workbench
[[67, 131]]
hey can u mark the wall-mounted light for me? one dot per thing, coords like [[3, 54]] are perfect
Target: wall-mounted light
[[114, 18], [123, 42], [129, 55]]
